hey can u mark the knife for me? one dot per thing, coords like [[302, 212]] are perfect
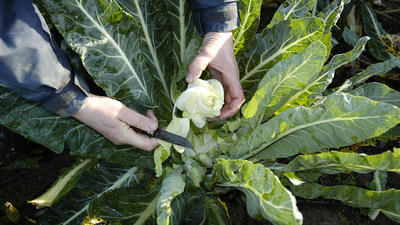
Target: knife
[[167, 136]]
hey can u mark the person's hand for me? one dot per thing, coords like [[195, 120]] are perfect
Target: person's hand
[[113, 119], [217, 53]]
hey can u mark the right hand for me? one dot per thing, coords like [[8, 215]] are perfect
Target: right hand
[[113, 120]]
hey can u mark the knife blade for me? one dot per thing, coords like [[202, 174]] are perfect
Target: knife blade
[[167, 136]]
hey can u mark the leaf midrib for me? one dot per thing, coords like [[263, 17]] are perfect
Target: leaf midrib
[[115, 45], [303, 126]]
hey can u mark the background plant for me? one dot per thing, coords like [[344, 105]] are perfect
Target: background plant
[[285, 71]]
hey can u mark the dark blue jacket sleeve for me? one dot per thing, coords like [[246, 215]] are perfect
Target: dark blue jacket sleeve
[[215, 15], [32, 65]]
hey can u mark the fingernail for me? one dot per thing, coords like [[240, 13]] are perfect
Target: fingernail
[[153, 125]]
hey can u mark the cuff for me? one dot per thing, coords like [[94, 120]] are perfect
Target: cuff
[[220, 18], [69, 99]]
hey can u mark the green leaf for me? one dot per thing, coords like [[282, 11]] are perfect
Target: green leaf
[[376, 69], [34, 122], [373, 28], [343, 162], [378, 92], [217, 214], [285, 79], [151, 21], [186, 41], [31, 163], [92, 185], [62, 186], [387, 200], [249, 11], [330, 15], [307, 95], [190, 206], [266, 197], [127, 205], [116, 48], [339, 120], [349, 36], [194, 170], [279, 42], [160, 155], [291, 9], [172, 186]]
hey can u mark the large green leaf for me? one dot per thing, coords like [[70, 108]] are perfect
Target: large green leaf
[[185, 40], [152, 22], [34, 123], [378, 92], [285, 79], [126, 206], [340, 162], [172, 186], [117, 49], [249, 11], [339, 120], [291, 9], [387, 201], [314, 89], [279, 42], [266, 197], [93, 184]]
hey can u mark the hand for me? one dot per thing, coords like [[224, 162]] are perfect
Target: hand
[[217, 53], [113, 119]]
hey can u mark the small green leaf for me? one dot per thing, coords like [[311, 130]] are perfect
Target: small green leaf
[[378, 92], [291, 9]]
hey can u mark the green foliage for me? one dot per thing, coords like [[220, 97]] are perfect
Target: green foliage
[[265, 195], [139, 51], [341, 162]]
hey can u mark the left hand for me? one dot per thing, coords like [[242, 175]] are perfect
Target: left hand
[[217, 53]]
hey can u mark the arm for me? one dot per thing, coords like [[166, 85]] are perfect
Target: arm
[[217, 19], [34, 67], [29, 60]]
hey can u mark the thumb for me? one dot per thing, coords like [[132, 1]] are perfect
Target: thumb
[[198, 64]]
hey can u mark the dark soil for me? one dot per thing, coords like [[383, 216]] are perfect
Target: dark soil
[[17, 186]]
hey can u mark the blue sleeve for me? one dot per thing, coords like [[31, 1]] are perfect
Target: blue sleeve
[[32, 65], [215, 15]]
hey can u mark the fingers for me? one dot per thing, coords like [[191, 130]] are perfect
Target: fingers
[[141, 141], [196, 67], [138, 120]]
